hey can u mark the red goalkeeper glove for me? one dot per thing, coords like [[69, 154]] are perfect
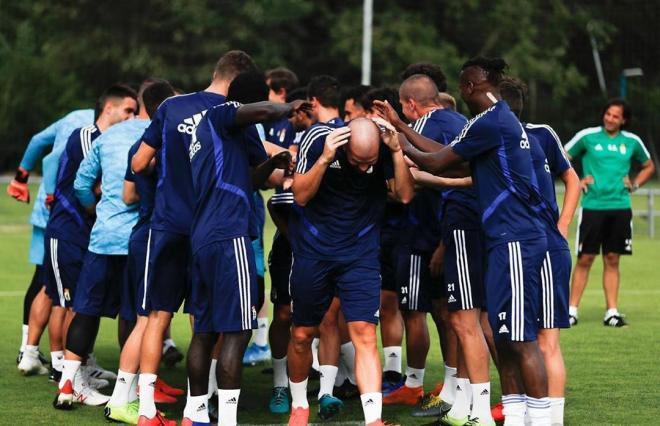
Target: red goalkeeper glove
[[18, 187]]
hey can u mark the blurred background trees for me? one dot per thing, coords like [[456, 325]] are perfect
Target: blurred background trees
[[58, 56]]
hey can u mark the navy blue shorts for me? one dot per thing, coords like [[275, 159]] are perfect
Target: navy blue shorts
[[224, 287], [279, 266], [315, 282], [513, 289], [133, 296], [465, 266], [100, 285], [413, 280], [555, 276], [62, 264], [388, 263], [168, 271]]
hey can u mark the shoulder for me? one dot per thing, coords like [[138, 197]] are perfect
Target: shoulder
[[314, 133], [544, 132], [631, 135], [587, 132]]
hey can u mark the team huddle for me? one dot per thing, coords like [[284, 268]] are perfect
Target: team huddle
[[398, 208]]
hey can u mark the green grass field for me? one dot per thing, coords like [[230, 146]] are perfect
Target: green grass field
[[613, 374]]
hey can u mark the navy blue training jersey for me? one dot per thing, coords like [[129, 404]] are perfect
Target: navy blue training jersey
[[171, 131], [498, 149], [545, 162], [68, 219], [280, 132], [342, 221], [220, 160], [145, 185]]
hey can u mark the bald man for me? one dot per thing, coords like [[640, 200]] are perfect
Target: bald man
[[340, 187]]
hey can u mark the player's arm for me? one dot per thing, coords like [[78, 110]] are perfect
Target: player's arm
[[142, 160], [130, 194], [280, 215], [571, 199], [433, 162], [419, 141], [306, 184], [267, 173], [88, 171], [260, 112], [427, 179], [646, 172], [402, 185]]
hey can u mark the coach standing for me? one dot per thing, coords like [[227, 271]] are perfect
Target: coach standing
[[606, 217]]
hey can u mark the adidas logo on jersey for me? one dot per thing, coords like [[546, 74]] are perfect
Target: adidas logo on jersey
[[503, 329], [451, 299], [194, 148], [190, 124]]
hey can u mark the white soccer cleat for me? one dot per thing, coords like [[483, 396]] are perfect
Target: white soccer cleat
[[88, 396], [95, 371], [31, 364]]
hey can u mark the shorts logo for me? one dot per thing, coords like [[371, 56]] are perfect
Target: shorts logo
[[451, 299], [67, 295], [628, 244], [503, 330], [377, 314], [404, 300], [254, 313]]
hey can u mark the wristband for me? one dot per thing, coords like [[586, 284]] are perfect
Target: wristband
[[21, 175]]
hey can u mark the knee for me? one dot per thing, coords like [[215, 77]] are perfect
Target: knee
[[611, 260], [363, 335], [282, 314], [462, 325], [549, 346], [586, 260], [301, 338]]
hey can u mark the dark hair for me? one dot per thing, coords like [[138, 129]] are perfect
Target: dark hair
[[433, 71], [326, 90], [248, 87], [297, 94], [514, 92], [282, 78], [382, 94], [356, 93], [627, 112], [494, 67], [155, 93], [232, 64], [117, 91]]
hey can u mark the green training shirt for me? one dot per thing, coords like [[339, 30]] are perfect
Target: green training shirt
[[608, 160]]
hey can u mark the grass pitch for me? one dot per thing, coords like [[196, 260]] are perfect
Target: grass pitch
[[613, 374]]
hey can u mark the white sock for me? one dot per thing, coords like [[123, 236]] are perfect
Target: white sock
[[573, 310], [611, 312], [539, 411], [341, 374], [372, 406], [414, 377], [69, 370], [34, 350], [557, 411], [188, 410], [347, 353], [315, 353], [168, 343], [514, 409], [120, 394], [298, 394], [461, 407], [327, 379], [132, 391], [147, 383], [213, 380], [56, 359], [481, 402], [227, 406], [261, 333], [280, 377], [392, 358], [198, 410], [448, 392], [24, 337]]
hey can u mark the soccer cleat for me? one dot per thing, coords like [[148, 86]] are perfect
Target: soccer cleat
[[572, 320], [30, 364], [431, 406], [392, 381], [165, 388], [313, 374], [437, 389], [89, 396], [55, 375], [161, 397], [497, 411], [450, 421], [255, 354], [213, 408], [92, 382], [171, 357], [615, 320], [64, 398], [95, 371], [123, 413], [404, 396], [279, 401], [157, 420], [299, 417], [329, 406], [475, 422], [347, 390]]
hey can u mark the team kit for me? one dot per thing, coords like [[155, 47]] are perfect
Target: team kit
[[389, 205]]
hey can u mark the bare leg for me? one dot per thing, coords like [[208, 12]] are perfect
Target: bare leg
[[367, 360], [554, 362], [580, 277], [610, 279]]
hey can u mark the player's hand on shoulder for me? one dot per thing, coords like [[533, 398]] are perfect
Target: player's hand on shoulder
[[334, 140]]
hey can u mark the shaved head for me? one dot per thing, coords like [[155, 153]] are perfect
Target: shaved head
[[363, 146], [421, 89]]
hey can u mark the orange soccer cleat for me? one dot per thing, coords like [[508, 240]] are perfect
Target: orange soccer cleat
[[404, 396]]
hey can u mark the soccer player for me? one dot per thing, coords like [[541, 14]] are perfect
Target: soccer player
[[605, 221], [102, 275], [224, 286], [138, 189], [67, 232], [340, 187], [53, 137], [550, 160], [497, 147], [170, 134], [353, 102]]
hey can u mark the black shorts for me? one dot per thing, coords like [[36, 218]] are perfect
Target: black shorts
[[388, 264], [279, 266], [605, 231]]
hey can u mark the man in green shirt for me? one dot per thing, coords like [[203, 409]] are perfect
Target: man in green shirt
[[606, 217]]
